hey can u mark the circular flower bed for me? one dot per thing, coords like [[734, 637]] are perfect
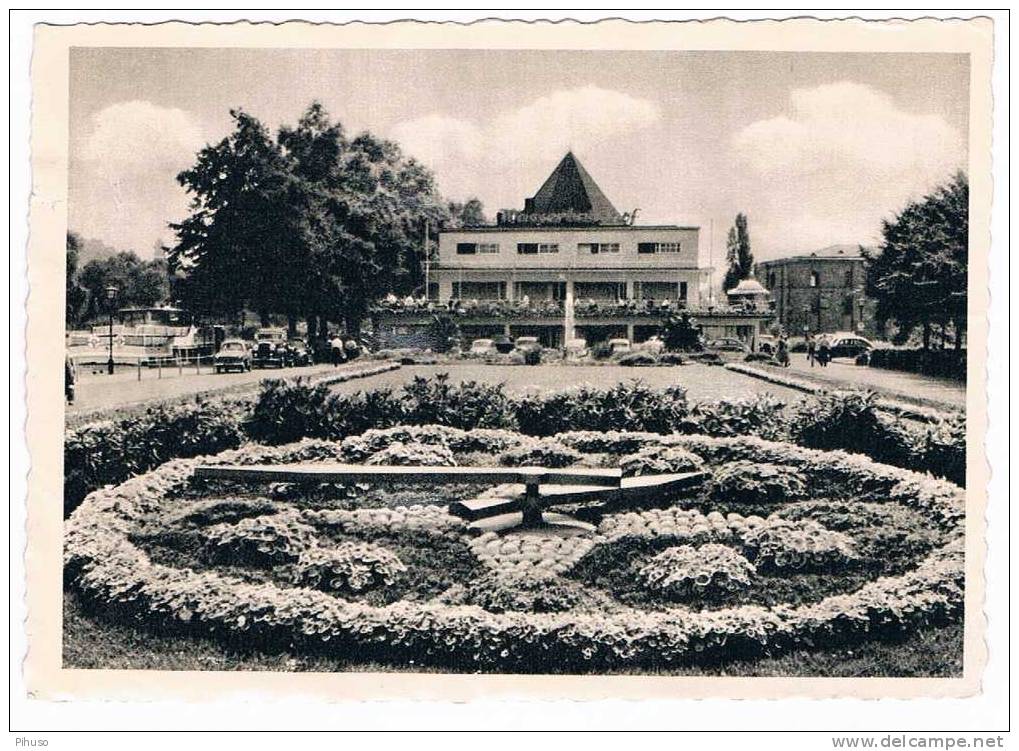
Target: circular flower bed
[[391, 576]]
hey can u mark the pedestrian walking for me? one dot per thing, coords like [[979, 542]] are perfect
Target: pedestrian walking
[[811, 348], [823, 351], [70, 377], [782, 353], [336, 348]]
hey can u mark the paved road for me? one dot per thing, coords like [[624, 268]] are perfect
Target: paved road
[[894, 383], [703, 382], [123, 388]]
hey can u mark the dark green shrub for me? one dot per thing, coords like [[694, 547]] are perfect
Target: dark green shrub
[[109, 452], [626, 406], [946, 363], [288, 410], [670, 358], [468, 405], [760, 415], [680, 334], [940, 448], [601, 350], [849, 420], [532, 357], [706, 358]]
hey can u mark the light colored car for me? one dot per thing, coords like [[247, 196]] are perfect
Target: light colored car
[[654, 345], [576, 348], [620, 346], [482, 347], [234, 354], [524, 343]]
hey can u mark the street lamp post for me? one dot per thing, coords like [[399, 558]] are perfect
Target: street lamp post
[[111, 296]]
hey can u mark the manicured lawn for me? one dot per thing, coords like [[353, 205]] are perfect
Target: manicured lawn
[[93, 641], [703, 382]]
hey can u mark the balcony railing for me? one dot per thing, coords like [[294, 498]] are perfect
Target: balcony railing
[[519, 309]]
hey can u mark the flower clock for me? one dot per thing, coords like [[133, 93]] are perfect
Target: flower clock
[[782, 548]]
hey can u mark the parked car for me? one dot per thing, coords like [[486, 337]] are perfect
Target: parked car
[[576, 348], [727, 345], [849, 345], [270, 349], [524, 343], [234, 354], [482, 347], [503, 344], [654, 346], [620, 346], [298, 353], [767, 344]]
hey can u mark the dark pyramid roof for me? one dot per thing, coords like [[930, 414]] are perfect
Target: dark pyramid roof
[[570, 189]]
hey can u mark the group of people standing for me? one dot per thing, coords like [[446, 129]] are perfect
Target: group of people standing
[[341, 350], [818, 349]]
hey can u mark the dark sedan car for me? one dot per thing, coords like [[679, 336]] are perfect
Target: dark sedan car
[[850, 346], [298, 353]]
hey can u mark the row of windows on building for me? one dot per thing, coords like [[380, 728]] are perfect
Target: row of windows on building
[[529, 249], [814, 279], [599, 291]]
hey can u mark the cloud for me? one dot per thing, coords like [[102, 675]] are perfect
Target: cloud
[[844, 158], [847, 130], [124, 187], [139, 135], [522, 144]]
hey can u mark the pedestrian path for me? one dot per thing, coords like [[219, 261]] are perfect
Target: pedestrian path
[[894, 384]]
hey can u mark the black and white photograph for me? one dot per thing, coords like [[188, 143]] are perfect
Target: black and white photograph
[[477, 361]]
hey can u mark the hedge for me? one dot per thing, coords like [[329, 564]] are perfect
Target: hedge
[[108, 452], [943, 363]]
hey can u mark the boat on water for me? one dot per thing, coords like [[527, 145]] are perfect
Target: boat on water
[[148, 336]]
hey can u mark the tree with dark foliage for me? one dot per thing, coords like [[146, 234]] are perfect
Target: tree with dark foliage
[[139, 283], [679, 333], [738, 254], [919, 274], [471, 213], [310, 224], [76, 299]]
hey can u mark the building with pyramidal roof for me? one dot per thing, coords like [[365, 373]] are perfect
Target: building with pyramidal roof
[[568, 265]]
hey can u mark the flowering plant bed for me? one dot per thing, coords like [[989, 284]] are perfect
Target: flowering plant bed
[[859, 551]]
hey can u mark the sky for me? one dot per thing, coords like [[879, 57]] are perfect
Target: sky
[[816, 148]]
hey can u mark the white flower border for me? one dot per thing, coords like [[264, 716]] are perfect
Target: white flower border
[[104, 564]]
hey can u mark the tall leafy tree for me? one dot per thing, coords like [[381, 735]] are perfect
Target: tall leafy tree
[[76, 299], [234, 246], [919, 274], [139, 283], [738, 255], [310, 224], [470, 213]]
